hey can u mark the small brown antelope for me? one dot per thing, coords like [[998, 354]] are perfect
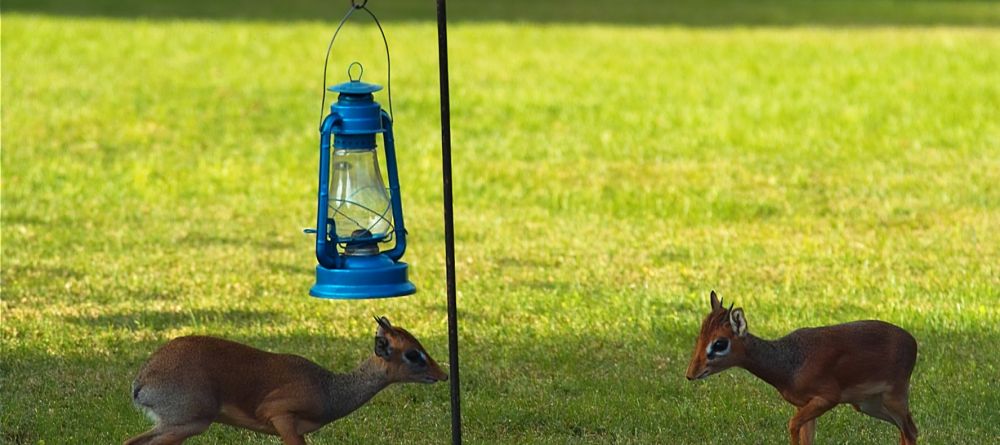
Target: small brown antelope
[[193, 381], [864, 363]]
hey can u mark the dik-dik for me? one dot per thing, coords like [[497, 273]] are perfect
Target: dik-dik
[[193, 381], [864, 363]]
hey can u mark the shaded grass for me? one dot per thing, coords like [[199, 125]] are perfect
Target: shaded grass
[[157, 174], [712, 13]]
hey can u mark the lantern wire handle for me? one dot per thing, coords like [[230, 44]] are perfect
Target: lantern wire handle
[[388, 62]]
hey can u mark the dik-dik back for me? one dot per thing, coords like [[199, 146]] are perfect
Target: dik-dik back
[[214, 374], [864, 363], [858, 356]]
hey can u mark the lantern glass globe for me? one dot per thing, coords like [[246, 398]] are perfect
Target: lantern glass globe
[[358, 201]]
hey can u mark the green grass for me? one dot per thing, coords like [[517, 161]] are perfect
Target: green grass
[[156, 175]]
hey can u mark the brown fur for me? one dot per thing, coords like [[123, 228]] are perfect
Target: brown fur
[[191, 382], [864, 363]]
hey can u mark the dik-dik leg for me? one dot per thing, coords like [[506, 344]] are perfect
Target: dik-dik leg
[[286, 429], [897, 406], [808, 432], [806, 414], [170, 434]]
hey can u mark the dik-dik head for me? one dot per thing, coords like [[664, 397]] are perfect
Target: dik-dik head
[[720, 343], [404, 358]]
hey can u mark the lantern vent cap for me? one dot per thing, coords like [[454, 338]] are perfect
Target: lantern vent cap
[[355, 86]]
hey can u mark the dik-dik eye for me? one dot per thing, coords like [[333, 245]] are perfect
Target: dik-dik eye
[[720, 345], [416, 357], [718, 348]]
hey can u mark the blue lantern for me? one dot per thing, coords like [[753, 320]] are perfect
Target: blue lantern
[[356, 213]]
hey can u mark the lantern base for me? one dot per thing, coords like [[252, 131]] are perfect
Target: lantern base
[[374, 276]]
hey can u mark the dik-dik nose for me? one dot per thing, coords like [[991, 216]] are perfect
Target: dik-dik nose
[[441, 375]]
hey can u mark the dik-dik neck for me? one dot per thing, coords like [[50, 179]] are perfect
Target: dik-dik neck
[[773, 361], [350, 391]]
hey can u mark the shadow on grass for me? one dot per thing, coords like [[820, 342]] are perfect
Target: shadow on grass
[[549, 374], [707, 13], [42, 388], [158, 320]]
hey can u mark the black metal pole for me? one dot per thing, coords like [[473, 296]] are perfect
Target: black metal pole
[[449, 225]]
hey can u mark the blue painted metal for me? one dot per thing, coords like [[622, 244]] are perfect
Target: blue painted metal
[[355, 87], [361, 277], [394, 194], [353, 122], [358, 115]]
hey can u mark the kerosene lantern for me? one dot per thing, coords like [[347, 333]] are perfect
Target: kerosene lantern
[[358, 218]]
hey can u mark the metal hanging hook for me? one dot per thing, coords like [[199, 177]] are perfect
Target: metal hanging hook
[[355, 5], [360, 73]]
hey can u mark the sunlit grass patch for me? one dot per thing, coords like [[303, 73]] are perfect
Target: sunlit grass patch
[[157, 175]]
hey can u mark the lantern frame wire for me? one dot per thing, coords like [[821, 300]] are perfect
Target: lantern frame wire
[[381, 217]]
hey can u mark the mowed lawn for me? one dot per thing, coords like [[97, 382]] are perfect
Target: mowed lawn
[[157, 175]]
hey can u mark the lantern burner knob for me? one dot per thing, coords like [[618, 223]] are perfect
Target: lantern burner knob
[[362, 248]]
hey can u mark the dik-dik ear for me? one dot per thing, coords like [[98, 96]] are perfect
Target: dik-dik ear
[[383, 326], [738, 321], [382, 347], [716, 302]]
